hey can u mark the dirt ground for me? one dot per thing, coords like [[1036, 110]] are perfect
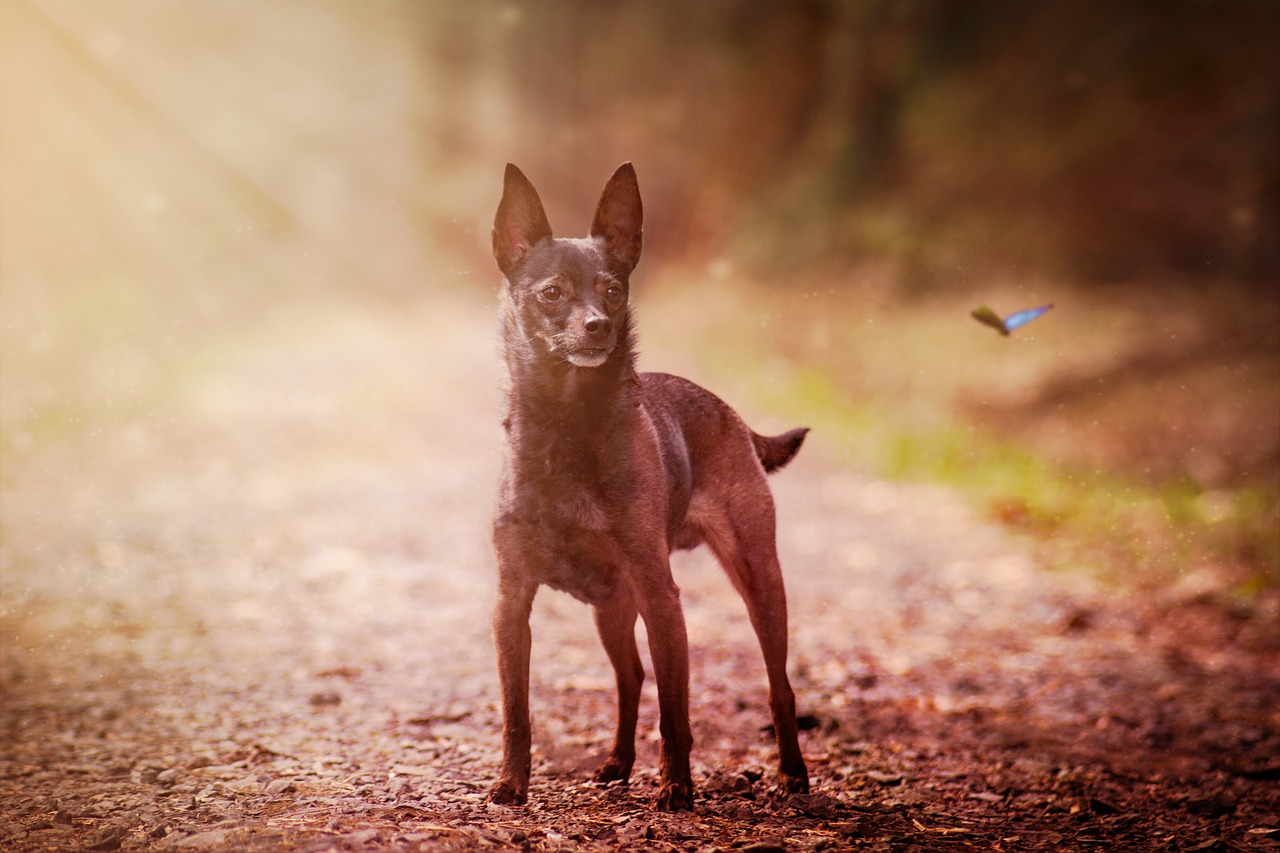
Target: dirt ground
[[253, 615]]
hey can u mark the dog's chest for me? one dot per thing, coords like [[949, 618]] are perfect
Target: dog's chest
[[568, 489], [561, 531]]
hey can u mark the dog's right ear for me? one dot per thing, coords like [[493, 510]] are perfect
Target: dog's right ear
[[520, 222], [620, 216]]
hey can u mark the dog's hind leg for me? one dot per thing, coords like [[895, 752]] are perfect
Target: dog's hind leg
[[616, 622], [743, 540]]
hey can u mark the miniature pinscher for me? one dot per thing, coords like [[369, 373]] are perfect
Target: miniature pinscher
[[607, 471]]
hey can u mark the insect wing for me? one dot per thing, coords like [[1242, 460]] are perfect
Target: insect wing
[[987, 317], [1021, 318]]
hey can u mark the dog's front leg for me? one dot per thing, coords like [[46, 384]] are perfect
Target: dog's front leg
[[616, 622], [658, 598], [513, 640]]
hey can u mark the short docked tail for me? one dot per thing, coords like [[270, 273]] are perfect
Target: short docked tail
[[777, 450]]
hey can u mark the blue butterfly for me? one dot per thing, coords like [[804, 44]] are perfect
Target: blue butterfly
[[987, 317]]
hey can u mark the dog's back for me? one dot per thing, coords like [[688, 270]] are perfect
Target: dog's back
[[707, 449], [705, 419]]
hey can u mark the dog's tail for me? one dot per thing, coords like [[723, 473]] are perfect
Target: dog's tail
[[777, 450]]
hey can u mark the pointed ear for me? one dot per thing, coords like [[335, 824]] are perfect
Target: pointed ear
[[620, 217], [520, 222]]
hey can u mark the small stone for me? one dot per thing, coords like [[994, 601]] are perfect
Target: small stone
[[821, 806], [112, 840], [360, 838], [212, 839], [766, 846], [281, 786]]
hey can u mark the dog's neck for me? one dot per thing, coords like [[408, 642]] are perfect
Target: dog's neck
[[550, 401]]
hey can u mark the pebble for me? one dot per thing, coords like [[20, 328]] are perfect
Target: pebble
[[325, 698], [360, 838], [110, 840], [243, 785], [147, 775], [212, 839], [768, 846]]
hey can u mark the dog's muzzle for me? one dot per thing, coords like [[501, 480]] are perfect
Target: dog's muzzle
[[597, 343]]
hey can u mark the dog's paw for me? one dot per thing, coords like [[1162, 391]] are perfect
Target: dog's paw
[[793, 784], [506, 793], [612, 770], [674, 797]]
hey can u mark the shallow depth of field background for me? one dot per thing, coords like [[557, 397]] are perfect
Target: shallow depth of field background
[[829, 188]]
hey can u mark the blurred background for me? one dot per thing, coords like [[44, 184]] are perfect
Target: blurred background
[[830, 187]]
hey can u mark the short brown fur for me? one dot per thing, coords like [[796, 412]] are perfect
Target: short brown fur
[[607, 471]]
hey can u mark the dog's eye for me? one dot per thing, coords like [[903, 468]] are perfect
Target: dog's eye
[[614, 292], [551, 293]]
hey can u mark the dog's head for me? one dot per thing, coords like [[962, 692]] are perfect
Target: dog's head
[[569, 296]]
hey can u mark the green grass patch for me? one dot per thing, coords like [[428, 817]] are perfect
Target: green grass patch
[[904, 394]]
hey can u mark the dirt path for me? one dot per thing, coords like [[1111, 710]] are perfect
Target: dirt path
[[256, 617]]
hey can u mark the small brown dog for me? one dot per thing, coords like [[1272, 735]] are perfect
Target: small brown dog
[[607, 471]]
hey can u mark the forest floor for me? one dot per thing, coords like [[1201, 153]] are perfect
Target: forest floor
[[254, 616]]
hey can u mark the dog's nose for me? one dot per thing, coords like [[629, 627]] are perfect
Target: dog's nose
[[598, 327]]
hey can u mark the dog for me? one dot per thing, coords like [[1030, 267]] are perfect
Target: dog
[[606, 472]]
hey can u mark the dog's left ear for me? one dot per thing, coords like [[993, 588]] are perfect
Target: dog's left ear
[[619, 217]]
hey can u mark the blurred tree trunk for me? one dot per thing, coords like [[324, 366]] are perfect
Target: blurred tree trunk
[[893, 48], [875, 73]]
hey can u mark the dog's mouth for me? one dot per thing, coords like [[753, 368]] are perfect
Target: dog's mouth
[[588, 356]]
